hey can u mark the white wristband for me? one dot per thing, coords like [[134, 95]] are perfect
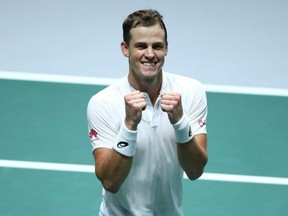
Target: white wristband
[[125, 142], [183, 131]]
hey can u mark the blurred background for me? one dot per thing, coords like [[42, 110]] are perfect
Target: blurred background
[[225, 42]]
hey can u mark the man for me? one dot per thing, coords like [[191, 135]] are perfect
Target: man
[[147, 128]]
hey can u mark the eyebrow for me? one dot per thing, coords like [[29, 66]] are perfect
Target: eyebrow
[[144, 43], [140, 43]]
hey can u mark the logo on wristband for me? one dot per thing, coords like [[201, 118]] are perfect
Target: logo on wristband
[[190, 132], [122, 144]]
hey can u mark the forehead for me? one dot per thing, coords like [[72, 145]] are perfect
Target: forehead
[[147, 34]]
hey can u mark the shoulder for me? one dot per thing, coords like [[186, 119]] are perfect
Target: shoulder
[[192, 91]]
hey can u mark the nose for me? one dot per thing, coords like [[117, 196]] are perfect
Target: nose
[[149, 52]]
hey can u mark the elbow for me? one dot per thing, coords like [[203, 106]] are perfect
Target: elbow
[[197, 172], [108, 184]]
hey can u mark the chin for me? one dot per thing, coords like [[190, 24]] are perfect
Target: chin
[[150, 75]]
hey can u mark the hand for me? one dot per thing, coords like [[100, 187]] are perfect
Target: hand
[[135, 103], [171, 103]]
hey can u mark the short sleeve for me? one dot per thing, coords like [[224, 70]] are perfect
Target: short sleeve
[[197, 108], [102, 133]]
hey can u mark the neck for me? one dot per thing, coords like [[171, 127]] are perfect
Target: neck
[[150, 86]]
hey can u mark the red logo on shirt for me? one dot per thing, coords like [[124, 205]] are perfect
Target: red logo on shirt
[[201, 122], [93, 135]]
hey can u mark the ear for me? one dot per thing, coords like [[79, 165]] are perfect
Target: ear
[[124, 49]]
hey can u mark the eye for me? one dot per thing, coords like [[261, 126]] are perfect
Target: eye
[[158, 46], [141, 46]]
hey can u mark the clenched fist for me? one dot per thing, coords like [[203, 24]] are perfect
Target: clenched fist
[[135, 103], [171, 103]]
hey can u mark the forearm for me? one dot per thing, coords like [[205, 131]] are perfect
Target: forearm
[[111, 168], [193, 156], [113, 165]]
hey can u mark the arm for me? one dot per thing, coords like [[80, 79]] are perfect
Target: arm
[[111, 165], [192, 154], [111, 168]]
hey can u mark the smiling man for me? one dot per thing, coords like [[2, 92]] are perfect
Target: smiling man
[[145, 129]]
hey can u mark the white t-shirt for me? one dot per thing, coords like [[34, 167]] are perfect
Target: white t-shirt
[[154, 184]]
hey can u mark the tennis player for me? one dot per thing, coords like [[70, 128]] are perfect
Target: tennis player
[[148, 128]]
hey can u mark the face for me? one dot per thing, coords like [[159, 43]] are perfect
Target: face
[[146, 52]]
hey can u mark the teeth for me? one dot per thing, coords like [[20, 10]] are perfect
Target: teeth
[[149, 64]]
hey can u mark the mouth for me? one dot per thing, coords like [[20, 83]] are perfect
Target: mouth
[[149, 64]]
